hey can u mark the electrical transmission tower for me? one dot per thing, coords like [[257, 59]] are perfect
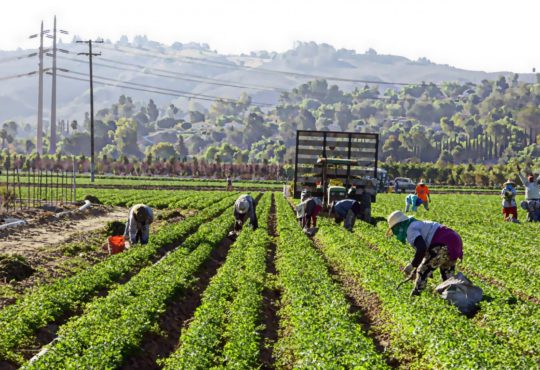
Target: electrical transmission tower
[[90, 55], [39, 136], [52, 146]]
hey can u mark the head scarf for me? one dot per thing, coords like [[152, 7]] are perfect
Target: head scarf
[[400, 230]]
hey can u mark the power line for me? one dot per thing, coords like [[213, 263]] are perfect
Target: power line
[[5, 78], [179, 93], [146, 90], [176, 75], [90, 56], [185, 93], [194, 60], [244, 85], [10, 59], [39, 126]]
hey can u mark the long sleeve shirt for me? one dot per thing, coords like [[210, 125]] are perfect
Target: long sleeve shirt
[[343, 206], [133, 226], [251, 211], [425, 230], [508, 200], [531, 188]]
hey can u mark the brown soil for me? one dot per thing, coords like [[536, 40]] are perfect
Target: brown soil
[[7, 365], [177, 316], [271, 299], [13, 267], [43, 243], [43, 232], [45, 335], [368, 308]]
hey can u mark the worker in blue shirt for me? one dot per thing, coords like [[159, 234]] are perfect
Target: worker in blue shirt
[[348, 210], [412, 201]]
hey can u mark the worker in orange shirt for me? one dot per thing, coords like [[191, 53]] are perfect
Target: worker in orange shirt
[[422, 191]]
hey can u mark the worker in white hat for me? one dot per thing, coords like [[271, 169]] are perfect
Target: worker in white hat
[[244, 207], [436, 245]]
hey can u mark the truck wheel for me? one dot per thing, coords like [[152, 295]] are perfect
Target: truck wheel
[[366, 207]]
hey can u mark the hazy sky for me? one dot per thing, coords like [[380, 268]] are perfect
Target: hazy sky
[[492, 35]]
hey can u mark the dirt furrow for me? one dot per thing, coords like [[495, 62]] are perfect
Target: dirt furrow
[[47, 334], [366, 306], [271, 298], [177, 316]]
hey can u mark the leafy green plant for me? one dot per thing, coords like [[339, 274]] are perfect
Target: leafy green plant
[[18, 322]]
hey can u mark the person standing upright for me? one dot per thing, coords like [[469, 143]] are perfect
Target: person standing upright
[[532, 196], [422, 191], [508, 195]]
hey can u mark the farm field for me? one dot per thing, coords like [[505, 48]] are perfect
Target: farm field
[[150, 181], [274, 298]]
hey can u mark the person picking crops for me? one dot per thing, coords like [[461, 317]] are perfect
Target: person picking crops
[[436, 246], [346, 210], [508, 195], [412, 202], [138, 225], [532, 196], [244, 208], [229, 183], [308, 210], [422, 191]]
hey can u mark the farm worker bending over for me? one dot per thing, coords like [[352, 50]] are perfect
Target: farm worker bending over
[[436, 246], [138, 225], [244, 207], [308, 210], [412, 201], [422, 192], [508, 195], [348, 210], [532, 196]]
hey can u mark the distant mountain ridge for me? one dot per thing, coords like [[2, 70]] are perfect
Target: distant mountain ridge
[[230, 75]]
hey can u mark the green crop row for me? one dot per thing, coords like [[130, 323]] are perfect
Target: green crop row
[[317, 329], [501, 251], [18, 322], [493, 260], [424, 331], [113, 327], [156, 198], [224, 329]]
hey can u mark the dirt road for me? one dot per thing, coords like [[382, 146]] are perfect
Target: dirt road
[[32, 238]]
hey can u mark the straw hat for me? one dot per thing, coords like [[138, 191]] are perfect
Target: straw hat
[[509, 182], [395, 218]]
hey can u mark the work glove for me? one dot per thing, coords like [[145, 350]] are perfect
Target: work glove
[[408, 269]]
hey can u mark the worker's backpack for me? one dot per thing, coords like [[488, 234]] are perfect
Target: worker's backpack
[[461, 292]]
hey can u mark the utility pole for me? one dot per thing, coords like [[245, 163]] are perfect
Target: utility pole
[[39, 136], [90, 55], [52, 149]]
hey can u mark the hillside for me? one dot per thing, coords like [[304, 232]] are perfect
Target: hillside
[[247, 73]]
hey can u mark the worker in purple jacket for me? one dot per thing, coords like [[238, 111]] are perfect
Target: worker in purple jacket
[[436, 245]]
